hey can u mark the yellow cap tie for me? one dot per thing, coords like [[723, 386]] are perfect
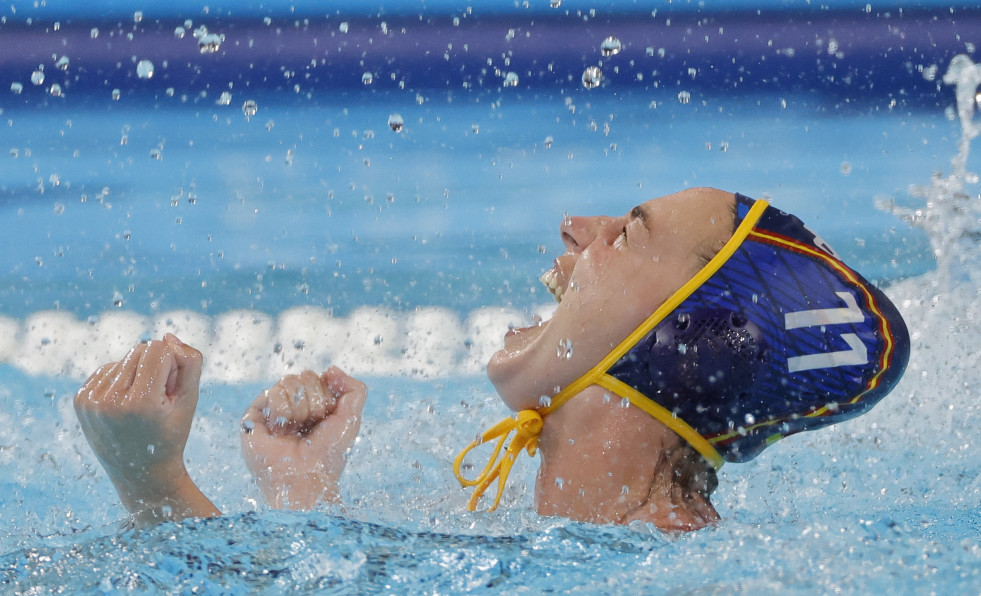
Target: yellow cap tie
[[527, 425]]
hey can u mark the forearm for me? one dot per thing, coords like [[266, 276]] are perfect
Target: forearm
[[171, 498], [296, 490]]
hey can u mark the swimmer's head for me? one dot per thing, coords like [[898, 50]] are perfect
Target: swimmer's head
[[603, 298], [725, 319], [775, 335]]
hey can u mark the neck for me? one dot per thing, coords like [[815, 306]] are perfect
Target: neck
[[606, 463]]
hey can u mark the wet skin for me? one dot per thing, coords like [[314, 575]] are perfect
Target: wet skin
[[615, 272], [603, 462]]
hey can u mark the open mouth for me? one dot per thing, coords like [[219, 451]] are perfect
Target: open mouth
[[551, 280]]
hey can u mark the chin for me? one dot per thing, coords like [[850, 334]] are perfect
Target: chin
[[504, 370]]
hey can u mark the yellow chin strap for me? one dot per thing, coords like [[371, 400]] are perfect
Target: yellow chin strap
[[527, 424]]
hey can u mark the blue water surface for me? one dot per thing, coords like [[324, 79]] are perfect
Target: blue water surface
[[311, 232]]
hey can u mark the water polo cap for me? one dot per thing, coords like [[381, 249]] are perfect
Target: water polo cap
[[775, 335]]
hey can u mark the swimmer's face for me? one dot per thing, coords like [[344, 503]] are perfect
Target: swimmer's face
[[614, 273]]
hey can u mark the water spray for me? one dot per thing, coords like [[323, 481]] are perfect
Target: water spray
[[951, 216]]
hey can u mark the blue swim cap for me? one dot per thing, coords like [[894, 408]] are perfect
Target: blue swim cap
[[775, 335]]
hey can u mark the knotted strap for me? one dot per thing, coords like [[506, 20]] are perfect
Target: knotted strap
[[527, 425]]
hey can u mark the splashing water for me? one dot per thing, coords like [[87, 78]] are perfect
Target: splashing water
[[592, 77], [396, 122], [887, 499], [611, 46], [144, 69], [250, 108], [951, 216]]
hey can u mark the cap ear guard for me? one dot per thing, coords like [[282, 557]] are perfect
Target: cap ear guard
[[706, 352]]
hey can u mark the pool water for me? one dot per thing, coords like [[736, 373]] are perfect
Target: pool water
[[312, 233]]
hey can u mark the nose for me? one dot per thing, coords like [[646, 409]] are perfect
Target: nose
[[580, 232]]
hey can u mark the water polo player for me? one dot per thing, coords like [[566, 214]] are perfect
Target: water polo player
[[697, 329]]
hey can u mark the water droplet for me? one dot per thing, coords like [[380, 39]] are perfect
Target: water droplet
[[750, 419], [344, 27], [611, 46], [396, 123], [624, 402], [564, 349], [144, 69], [555, 3], [270, 124], [684, 97], [37, 77], [592, 77], [249, 108], [210, 43], [846, 168], [367, 78], [117, 299], [511, 79], [544, 401], [94, 33], [55, 90], [560, 482], [548, 142], [225, 98], [179, 32], [62, 63], [138, 16], [150, 448], [16, 88], [156, 154]]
